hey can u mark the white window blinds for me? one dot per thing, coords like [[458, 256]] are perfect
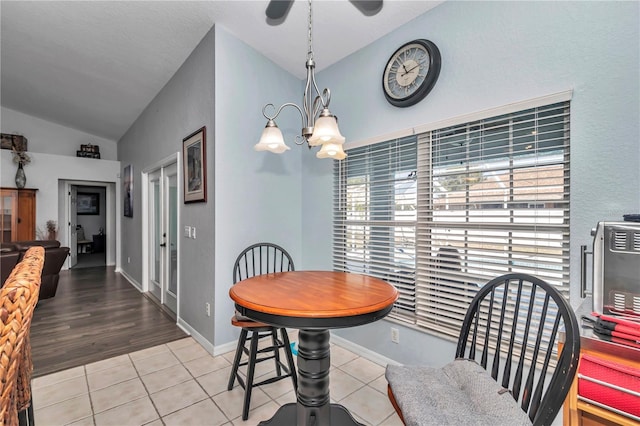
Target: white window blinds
[[375, 215], [441, 213]]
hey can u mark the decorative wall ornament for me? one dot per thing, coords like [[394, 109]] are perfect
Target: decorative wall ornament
[[127, 190]]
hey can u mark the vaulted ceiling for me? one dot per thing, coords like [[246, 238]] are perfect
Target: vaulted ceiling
[[95, 65]]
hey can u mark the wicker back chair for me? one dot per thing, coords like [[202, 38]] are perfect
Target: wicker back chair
[[18, 298], [258, 259]]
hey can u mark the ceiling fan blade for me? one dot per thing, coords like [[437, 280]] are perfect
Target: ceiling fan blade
[[277, 11], [367, 7]]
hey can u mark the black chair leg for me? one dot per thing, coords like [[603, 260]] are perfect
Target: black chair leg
[[25, 417], [276, 351], [236, 361], [292, 365], [250, 371]]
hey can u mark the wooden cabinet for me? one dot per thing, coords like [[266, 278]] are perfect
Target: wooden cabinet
[[578, 412], [17, 214]]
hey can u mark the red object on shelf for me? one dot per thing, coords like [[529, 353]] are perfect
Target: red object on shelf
[[628, 323], [612, 373]]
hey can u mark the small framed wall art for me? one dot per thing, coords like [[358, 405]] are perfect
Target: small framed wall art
[[194, 166], [127, 190], [88, 203]]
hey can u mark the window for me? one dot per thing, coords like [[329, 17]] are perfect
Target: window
[[441, 213], [374, 223]]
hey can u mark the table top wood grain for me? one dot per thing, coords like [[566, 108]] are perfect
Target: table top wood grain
[[314, 294]]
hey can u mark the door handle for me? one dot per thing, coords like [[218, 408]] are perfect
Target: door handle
[[163, 245]]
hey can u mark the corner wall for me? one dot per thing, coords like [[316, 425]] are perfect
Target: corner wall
[[257, 194]]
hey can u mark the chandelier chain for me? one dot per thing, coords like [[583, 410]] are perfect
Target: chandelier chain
[[315, 106], [310, 51]]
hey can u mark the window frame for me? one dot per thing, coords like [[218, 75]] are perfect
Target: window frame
[[419, 314]]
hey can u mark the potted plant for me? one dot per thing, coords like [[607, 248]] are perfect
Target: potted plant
[[52, 229]]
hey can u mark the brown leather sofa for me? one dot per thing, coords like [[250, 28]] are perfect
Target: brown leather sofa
[[54, 257], [8, 260]]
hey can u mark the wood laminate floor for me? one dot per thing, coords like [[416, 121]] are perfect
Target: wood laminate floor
[[96, 314]]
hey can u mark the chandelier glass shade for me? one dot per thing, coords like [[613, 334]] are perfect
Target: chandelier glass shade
[[319, 126], [272, 139]]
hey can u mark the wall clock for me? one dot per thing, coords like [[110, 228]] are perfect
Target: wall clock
[[411, 72]]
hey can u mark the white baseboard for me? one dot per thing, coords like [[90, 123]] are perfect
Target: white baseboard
[[133, 282], [362, 351], [197, 336], [227, 347]]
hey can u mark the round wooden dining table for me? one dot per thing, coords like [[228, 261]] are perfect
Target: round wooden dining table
[[313, 302]]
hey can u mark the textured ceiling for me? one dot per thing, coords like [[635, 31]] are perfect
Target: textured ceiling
[[95, 65]]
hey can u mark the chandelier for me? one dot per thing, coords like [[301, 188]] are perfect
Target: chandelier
[[319, 126]]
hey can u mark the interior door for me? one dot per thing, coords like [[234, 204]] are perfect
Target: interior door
[[156, 238], [163, 235], [170, 187], [73, 222]]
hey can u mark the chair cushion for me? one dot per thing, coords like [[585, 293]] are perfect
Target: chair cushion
[[462, 392]]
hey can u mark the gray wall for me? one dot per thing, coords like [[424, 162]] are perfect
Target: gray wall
[[183, 106], [493, 54], [258, 194]]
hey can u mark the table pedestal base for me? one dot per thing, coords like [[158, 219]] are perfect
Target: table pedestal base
[[287, 416], [313, 407]]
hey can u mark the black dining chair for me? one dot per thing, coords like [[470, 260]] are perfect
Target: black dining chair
[[508, 368], [258, 259]]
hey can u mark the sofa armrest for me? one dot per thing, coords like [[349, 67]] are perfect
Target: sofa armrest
[[4, 247], [24, 245], [54, 258]]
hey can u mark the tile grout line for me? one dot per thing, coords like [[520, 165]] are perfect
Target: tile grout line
[[201, 387], [86, 378], [145, 386]]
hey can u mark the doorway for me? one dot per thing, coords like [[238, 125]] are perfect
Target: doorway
[[162, 234], [88, 212]]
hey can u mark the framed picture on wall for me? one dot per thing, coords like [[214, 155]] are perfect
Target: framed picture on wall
[[194, 166], [88, 203], [127, 190]]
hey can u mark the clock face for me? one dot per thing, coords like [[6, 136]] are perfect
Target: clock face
[[411, 73]]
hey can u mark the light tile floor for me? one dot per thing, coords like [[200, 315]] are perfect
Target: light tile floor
[[179, 383]]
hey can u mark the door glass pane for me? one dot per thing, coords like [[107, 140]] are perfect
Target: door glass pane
[[157, 232], [173, 234]]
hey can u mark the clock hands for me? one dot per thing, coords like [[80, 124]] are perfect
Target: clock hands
[[406, 71]]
